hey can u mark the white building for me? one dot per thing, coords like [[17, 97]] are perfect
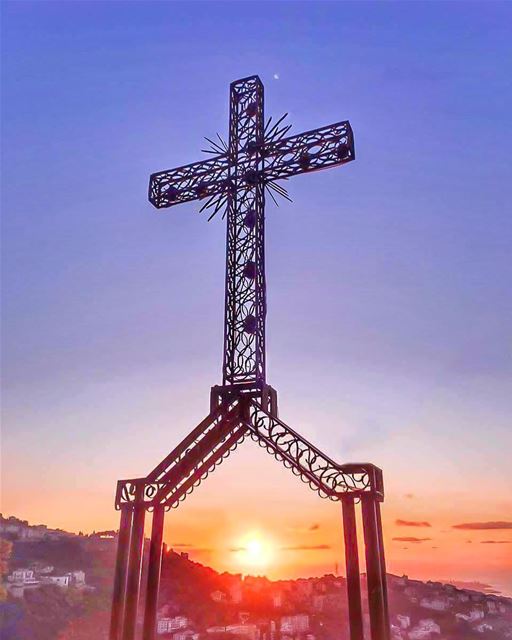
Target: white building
[[22, 577], [60, 581], [482, 628], [77, 578], [404, 622], [168, 625], [250, 631], [436, 603], [473, 615], [295, 624], [187, 634], [424, 629]]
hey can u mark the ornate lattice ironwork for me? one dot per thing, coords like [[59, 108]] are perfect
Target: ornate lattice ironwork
[[328, 478], [256, 158]]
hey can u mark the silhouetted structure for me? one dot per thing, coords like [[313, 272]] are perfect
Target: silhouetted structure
[[237, 178]]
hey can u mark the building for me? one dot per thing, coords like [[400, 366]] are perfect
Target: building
[[218, 596], [22, 577], [319, 602], [277, 599], [59, 581], [424, 630], [250, 631], [436, 603], [295, 624], [77, 578], [403, 622], [168, 625], [492, 605], [474, 614], [187, 634]]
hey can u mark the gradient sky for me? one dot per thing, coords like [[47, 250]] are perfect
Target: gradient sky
[[388, 280]]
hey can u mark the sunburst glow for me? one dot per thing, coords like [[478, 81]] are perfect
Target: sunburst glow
[[256, 550]]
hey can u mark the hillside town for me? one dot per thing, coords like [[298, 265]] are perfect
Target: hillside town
[[312, 609], [42, 565]]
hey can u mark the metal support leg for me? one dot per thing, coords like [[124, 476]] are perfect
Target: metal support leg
[[118, 595], [155, 563], [134, 571], [355, 612], [378, 628], [382, 564]]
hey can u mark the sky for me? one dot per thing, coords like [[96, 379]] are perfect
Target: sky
[[389, 309]]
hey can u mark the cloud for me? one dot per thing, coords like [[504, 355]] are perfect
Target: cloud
[[483, 526], [178, 545], [306, 528], [412, 523], [411, 539], [409, 496], [237, 549], [307, 547], [495, 541]]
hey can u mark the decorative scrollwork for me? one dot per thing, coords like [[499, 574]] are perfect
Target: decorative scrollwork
[[219, 434], [323, 475]]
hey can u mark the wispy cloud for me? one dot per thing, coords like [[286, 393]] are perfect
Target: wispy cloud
[[307, 547], [495, 541], [412, 523], [409, 496], [483, 526], [237, 549], [411, 539], [305, 529]]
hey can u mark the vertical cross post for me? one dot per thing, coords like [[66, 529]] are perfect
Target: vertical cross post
[[374, 575], [154, 569], [244, 326], [355, 612], [134, 574], [119, 592]]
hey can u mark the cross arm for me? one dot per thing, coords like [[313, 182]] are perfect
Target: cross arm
[[309, 151], [191, 182]]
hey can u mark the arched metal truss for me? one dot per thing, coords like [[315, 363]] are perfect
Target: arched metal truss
[[220, 433]]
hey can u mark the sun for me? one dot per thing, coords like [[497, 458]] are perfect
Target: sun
[[255, 550]]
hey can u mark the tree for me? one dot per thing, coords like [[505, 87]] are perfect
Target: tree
[[90, 627]]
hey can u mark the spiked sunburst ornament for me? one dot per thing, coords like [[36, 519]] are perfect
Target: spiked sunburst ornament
[[272, 134]]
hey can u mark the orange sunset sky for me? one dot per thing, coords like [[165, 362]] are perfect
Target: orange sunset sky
[[389, 307]]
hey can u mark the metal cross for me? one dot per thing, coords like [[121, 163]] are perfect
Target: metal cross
[[237, 178]]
